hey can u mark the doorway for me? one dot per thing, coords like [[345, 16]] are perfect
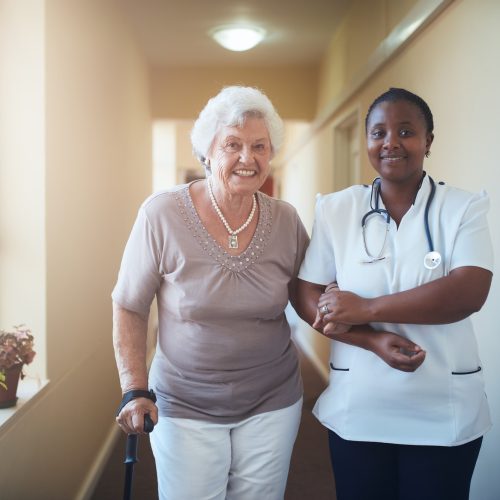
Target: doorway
[[346, 162]]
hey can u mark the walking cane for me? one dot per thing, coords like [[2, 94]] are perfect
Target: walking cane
[[131, 456]]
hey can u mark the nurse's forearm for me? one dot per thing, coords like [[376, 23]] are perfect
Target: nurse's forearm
[[444, 300], [398, 352], [360, 336], [129, 341]]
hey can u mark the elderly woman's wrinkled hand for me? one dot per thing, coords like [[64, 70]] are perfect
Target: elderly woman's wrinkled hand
[[131, 418]]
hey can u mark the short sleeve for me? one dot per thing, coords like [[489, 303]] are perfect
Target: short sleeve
[[302, 243], [319, 262], [139, 277], [472, 246]]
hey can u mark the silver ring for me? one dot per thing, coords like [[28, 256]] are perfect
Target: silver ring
[[324, 309]]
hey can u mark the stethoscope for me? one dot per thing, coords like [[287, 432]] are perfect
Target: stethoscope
[[432, 259]]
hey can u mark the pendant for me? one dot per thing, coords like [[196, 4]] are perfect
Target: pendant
[[233, 241]]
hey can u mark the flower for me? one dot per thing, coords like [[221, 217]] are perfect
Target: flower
[[16, 347]]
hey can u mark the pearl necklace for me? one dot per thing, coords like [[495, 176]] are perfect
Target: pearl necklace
[[233, 234]]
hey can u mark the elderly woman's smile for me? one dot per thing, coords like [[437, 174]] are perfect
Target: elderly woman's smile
[[239, 155], [245, 173]]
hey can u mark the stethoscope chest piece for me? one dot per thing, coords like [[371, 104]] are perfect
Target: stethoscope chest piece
[[432, 260]]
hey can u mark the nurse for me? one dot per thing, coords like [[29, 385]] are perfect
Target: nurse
[[411, 260]]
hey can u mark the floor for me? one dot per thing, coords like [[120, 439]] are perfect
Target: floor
[[310, 476]]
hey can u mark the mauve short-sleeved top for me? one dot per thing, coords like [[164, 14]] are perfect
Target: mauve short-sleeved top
[[224, 351]]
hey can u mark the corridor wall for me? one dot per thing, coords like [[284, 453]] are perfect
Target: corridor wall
[[92, 171], [452, 64]]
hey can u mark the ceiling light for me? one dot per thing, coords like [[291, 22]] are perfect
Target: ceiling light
[[238, 38]]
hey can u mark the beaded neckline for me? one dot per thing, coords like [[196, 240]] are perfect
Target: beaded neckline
[[233, 263]]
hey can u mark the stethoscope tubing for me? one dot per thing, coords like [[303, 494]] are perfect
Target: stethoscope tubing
[[426, 214], [432, 259]]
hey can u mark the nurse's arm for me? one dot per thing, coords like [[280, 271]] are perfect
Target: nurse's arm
[[306, 298], [444, 300], [397, 351]]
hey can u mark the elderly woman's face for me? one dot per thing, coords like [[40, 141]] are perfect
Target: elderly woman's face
[[239, 157]]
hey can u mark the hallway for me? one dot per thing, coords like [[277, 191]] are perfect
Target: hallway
[[310, 474], [80, 97]]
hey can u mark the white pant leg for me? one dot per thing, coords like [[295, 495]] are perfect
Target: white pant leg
[[261, 451], [192, 459]]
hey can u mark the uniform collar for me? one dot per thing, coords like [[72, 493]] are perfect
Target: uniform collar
[[421, 196], [423, 191]]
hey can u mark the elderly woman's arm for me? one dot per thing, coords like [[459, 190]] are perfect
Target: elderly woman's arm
[[129, 341]]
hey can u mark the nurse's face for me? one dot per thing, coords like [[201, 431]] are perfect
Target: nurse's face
[[397, 140]]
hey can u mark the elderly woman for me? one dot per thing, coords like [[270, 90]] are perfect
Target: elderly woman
[[222, 260], [412, 258]]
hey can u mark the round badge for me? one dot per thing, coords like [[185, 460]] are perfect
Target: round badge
[[432, 260]]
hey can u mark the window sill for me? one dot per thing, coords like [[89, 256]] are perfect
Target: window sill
[[28, 391]]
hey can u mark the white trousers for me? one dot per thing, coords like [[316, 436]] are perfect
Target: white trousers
[[248, 460]]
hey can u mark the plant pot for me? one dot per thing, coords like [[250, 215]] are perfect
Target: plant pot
[[8, 396]]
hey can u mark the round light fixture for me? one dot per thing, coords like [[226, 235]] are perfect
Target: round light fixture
[[238, 38]]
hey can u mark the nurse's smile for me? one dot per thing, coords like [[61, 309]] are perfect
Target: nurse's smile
[[392, 159]]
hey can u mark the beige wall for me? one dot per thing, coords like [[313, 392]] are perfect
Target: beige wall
[[185, 157], [97, 171], [181, 93], [22, 164], [363, 29], [453, 65]]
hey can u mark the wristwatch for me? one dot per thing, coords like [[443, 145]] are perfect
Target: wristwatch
[[133, 394]]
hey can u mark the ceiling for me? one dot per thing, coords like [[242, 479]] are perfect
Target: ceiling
[[175, 32]]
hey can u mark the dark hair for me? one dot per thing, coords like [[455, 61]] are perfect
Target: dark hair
[[395, 94]]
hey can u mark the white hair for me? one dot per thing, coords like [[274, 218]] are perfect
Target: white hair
[[230, 108]]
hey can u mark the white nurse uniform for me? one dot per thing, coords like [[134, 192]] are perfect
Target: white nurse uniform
[[443, 402]]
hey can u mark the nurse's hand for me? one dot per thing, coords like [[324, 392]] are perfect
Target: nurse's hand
[[329, 328], [344, 307], [398, 352]]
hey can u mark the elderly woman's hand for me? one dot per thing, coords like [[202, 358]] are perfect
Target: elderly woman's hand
[[131, 418], [329, 329]]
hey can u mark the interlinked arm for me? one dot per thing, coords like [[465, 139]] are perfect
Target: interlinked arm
[[444, 300], [129, 341], [398, 352], [305, 300], [306, 296]]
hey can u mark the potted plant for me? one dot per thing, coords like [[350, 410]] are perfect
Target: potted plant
[[16, 350]]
